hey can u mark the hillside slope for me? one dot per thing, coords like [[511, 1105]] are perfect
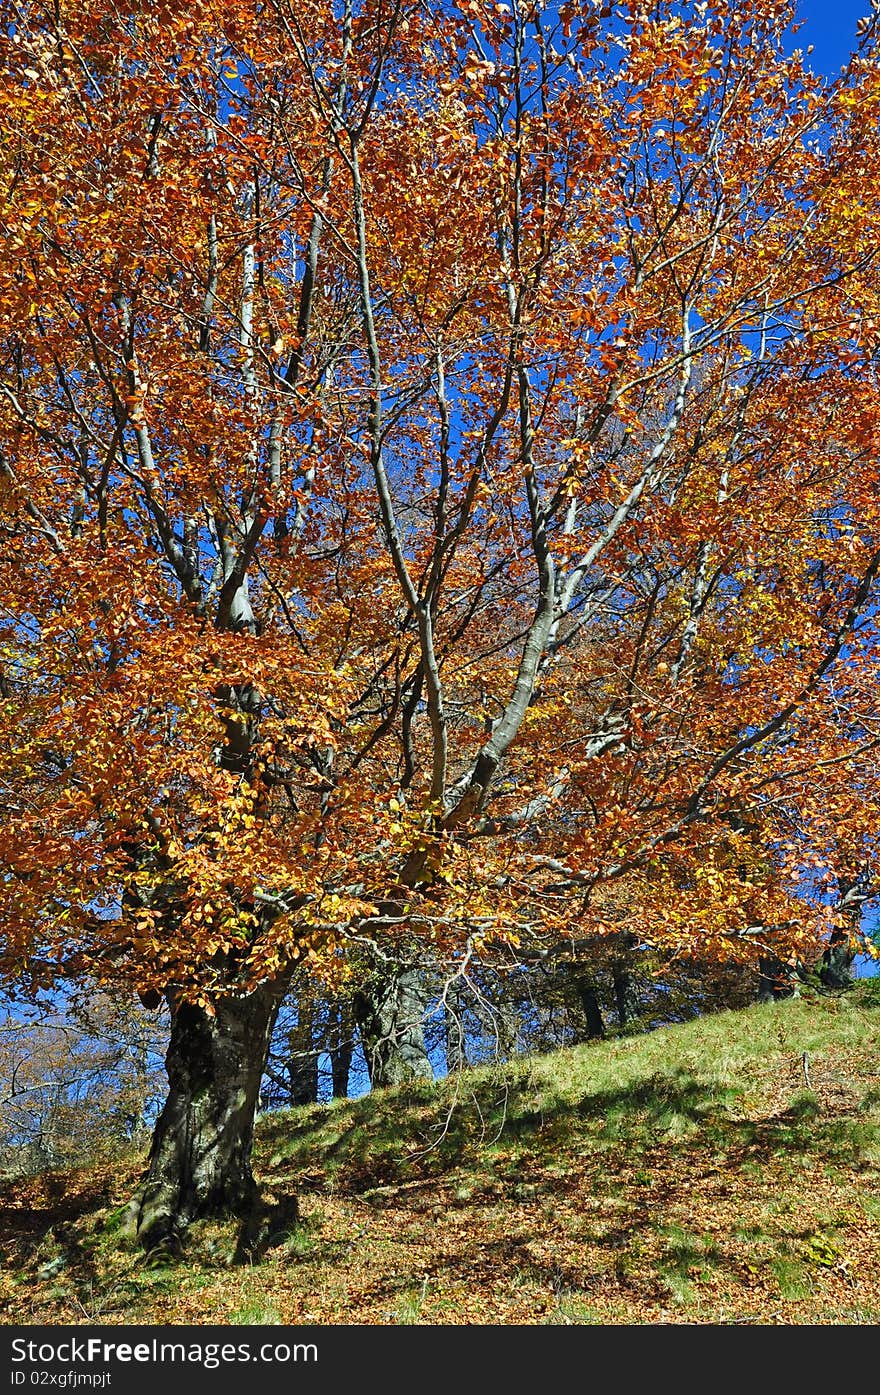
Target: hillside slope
[[726, 1170]]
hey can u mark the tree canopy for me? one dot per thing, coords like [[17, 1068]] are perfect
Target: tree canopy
[[439, 472]]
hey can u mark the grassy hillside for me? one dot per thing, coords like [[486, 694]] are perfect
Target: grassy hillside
[[723, 1171]]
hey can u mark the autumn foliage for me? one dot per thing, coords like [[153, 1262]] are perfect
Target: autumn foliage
[[439, 485]]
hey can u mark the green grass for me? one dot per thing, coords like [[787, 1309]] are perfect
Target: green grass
[[791, 1276], [702, 1078], [255, 1314]]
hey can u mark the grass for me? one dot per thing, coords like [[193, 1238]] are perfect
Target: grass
[[694, 1174], [255, 1314]]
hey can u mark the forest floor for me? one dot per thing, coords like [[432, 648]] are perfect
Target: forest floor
[[726, 1170]]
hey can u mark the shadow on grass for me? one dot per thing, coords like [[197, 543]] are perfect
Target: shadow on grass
[[45, 1211], [404, 1135], [504, 1138], [270, 1224]]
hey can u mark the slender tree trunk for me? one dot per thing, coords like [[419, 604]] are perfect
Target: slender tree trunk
[[200, 1160], [589, 1001], [302, 1061], [501, 1023], [500, 1020], [340, 1046], [389, 1009], [456, 1055]]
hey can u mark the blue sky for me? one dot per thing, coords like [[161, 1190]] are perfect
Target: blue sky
[[830, 25]]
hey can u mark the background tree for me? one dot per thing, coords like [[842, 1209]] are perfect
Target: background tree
[[312, 1047], [439, 460], [80, 1082]]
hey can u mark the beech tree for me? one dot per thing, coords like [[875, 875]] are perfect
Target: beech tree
[[440, 502]]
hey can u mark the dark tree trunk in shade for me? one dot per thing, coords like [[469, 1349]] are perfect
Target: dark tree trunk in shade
[[626, 1001], [774, 979], [302, 1060], [835, 970], [341, 1046], [837, 961], [389, 1009], [589, 1001], [200, 1160]]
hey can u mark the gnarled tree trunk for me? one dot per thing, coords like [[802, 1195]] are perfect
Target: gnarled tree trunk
[[389, 1009], [200, 1160]]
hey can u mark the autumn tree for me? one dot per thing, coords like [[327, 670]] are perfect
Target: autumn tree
[[80, 1081], [439, 486]]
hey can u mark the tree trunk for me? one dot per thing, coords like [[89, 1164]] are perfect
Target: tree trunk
[[837, 961], [589, 1001], [302, 1061], [199, 1162], [626, 1000], [502, 1024], [775, 979], [389, 1009], [341, 1047], [456, 1055]]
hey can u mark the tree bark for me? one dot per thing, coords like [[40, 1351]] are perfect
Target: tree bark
[[454, 1036], [837, 961], [389, 1009], [626, 999], [589, 1001], [775, 980], [341, 1047], [199, 1162], [302, 1061]]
